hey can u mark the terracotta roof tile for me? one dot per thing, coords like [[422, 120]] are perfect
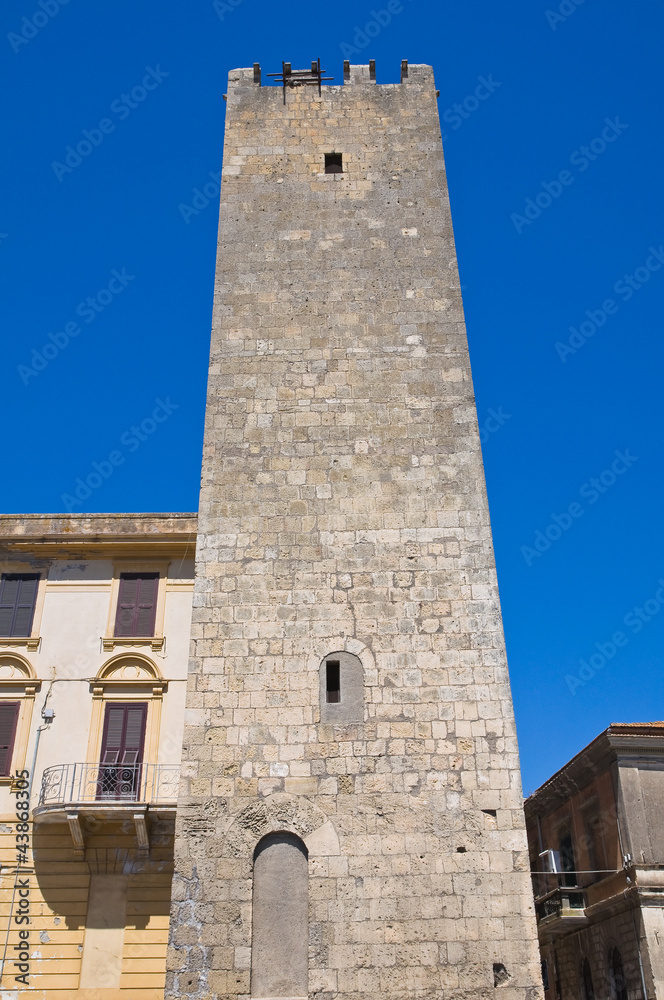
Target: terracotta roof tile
[[637, 725]]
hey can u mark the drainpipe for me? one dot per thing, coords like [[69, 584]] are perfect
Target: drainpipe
[[638, 951], [47, 715]]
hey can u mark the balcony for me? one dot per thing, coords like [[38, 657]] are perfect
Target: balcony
[[560, 911], [93, 794]]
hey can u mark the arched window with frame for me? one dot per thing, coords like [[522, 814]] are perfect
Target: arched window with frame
[[18, 686], [587, 981], [280, 918], [617, 975], [123, 748]]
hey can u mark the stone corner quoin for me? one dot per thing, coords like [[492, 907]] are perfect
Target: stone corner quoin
[[344, 528]]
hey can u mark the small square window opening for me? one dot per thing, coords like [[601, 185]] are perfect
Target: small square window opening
[[332, 681], [333, 164]]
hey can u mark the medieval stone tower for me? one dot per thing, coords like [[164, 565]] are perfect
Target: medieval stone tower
[[350, 822]]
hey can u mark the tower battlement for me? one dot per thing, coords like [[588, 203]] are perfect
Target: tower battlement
[[353, 74]]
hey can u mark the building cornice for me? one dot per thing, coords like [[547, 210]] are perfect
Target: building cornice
[[624, 743], [81, 535]]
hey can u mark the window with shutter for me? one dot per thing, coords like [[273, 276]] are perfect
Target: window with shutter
[[18, 597], [8, 721], [122, 750], [137, 604]]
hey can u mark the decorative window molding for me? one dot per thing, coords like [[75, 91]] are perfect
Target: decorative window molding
[[156, 641], [16, 670], [18, 683], [30, 643], [110, 642], [125, 678]]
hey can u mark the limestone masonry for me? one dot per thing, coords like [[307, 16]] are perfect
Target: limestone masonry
[[350, 819]]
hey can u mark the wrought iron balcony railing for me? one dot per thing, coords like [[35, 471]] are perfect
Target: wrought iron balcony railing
[[563, 902], [68, 784]]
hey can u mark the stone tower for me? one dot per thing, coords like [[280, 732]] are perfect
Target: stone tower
[[350, 821]]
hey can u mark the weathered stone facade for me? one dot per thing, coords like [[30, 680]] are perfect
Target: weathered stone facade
[[597, 822], [343, 509]]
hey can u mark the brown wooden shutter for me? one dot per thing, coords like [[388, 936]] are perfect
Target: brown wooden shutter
[[124, 733], [124, 618], [137, 604], [8, 721], [18, 597], [8, 594], [111, 741], [132, 752], [146, 604]]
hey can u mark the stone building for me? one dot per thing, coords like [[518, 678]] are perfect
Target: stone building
[[596, 843], [94, 630], [350, 823]]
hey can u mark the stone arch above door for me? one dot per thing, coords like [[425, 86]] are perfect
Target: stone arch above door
[[281, 812]]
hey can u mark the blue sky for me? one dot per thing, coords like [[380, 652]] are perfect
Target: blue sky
[[557, 204]]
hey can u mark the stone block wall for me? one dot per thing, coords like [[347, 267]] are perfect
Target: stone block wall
[[565, 957], [343, 509]]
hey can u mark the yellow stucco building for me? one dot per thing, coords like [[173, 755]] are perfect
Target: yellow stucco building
[[94, 630]]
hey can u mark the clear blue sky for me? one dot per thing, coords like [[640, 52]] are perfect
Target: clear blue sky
[[554, 83]]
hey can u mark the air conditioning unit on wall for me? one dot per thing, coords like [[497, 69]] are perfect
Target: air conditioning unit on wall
[[551, 862]]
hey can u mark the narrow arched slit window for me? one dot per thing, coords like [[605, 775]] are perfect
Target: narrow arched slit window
[[341, 688], [280, 918], [332, 681]]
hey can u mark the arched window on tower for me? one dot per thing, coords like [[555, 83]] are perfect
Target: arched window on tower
[[341, 688], [280, 918]]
